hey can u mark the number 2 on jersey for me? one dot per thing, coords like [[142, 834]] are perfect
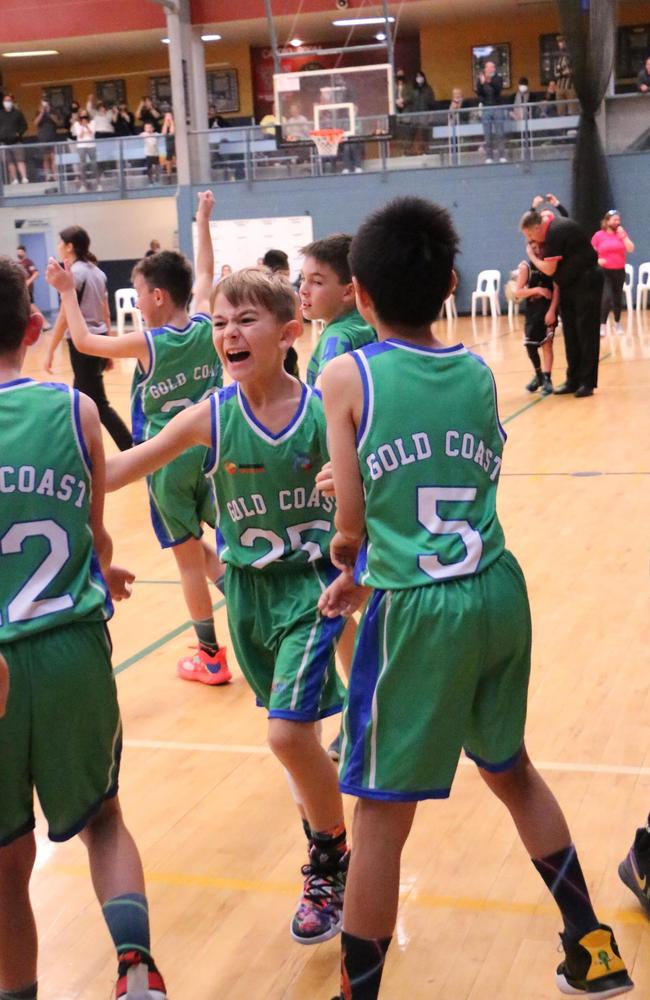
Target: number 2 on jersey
[[428, 499], [296, 541], [25, 606]]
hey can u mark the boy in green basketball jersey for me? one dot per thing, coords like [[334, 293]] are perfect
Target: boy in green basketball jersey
[[327, 294], [416, 510], [61, 733], [176, 367], [266, 439]]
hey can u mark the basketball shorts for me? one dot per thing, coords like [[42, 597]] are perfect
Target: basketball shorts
[[61, 735], [180, 499], [437, 668], [283, 644]]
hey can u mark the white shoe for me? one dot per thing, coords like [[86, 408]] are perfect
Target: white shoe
[[619, 329], [358, 170], [502, 159], [82, 187], [488, 159], [603, 329], [15, 180], [345, 170], [25, 180]]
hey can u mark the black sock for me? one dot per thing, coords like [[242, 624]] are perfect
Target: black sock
[[206, 635], [362, 963], [28, 993], [563, 876], [306, 827], [533, 354], [328, 846]]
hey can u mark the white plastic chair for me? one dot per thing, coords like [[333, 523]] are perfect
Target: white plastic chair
[[125, 305], [643, 287], [488, 286], [627, 287], [450, 307]]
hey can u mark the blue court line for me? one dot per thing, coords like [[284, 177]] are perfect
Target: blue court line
[[540, 399], [159, 642]]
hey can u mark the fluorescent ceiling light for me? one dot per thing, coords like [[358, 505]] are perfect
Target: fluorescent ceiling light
[[380, 36], [36, 52], [165, 41], [296, 42], [350, 22], [210, 38]]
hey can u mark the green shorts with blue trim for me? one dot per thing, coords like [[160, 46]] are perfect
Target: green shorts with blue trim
[[284, 646], [180, 499], [61, 734], [437, 669]]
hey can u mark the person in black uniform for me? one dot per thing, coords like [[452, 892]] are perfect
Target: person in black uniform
[[573, 263], [541, 295]]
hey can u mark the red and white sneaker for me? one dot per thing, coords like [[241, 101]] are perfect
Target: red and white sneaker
[[138, 978], [205, 669]]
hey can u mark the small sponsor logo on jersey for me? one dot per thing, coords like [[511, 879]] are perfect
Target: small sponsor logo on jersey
[[301, 461], [232, 468]]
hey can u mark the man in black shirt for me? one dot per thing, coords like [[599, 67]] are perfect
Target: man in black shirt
[[573, 263], [13, 126], [488, 90]]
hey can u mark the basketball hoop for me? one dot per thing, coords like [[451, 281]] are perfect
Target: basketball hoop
[[327, 140]]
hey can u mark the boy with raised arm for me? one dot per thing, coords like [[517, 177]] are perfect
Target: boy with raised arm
[[61, 734], [176, 367], [266, 440], [443, 655]]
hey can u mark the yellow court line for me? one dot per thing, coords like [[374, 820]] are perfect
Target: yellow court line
[[413, 897]]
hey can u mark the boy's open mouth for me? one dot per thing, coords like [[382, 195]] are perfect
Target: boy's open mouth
[[237, 355]]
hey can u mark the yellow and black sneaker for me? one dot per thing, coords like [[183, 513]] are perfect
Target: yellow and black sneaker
[[593, 965]]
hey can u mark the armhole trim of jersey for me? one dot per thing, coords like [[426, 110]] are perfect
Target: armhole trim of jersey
[[75, 401], [212, 458], [500, 427], [146, 374], [368, 397]]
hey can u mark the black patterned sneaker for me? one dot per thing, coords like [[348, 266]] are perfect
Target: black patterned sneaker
[[547, 385], [635, 870], [534, 384], [593, 965], [319, 915], [138, 978]]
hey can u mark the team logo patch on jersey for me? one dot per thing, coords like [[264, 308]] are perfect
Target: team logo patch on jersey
[[301, 461], [232, 468]]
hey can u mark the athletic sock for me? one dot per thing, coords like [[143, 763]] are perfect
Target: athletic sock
[[27, 993], [307, 829], [220, 584], [533, 354], [642, 843], [362, 964], [563, 876], [328, 846], [127, 918], [206, 635]]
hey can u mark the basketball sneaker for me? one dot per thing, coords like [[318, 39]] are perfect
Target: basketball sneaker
[[534, 384], [593, 965], [204, 668], [634, 872], [138, 978], [547, 385], [319, 916]]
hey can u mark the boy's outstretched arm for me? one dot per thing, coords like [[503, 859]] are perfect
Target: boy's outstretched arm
[[204, 254], [187, 429], [131, 345], [343, 400]]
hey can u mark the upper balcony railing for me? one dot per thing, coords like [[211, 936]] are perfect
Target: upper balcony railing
[[131, 165]]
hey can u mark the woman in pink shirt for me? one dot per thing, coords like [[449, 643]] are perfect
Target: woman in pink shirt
[[612, 244]]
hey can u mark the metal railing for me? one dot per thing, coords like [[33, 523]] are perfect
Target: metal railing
[[444, 138]]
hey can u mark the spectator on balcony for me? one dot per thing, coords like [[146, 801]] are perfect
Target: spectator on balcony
[[103, 118], [13, 126], [151, 152], [403, 92], [488, 90], [46, 124], [168, 130], [456, 104], [548, 104], [70, 117], [643, 79], [521, 101], [124, 123], [215, 120], [563, 73], [147, 111], [154, 247], [83, 132], [423, 99]]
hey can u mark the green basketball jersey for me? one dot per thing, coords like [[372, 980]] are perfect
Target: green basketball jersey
[[269, 512], [344, 334], [49, 573], [183, 369], [430, 446]]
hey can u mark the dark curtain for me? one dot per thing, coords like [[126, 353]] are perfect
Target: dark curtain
[[589, 29]]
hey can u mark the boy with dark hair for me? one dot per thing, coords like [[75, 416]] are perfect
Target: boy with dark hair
[[327, 294], [61, 733], [418, 483], [176, 368], [277, 262], [266, 440]]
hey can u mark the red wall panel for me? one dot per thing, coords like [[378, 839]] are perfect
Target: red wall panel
[[42, 20]]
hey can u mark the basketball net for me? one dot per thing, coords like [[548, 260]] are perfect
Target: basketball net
[[327, 140]]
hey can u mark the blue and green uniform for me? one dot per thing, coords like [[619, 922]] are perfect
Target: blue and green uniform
[[344, 334], [443, 655], [183, 369], [61, 733], [273, 533]]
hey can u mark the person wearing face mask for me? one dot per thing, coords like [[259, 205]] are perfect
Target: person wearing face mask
[[488, 90], [403, 92], [521, 111], [423, 100], [13, 126]]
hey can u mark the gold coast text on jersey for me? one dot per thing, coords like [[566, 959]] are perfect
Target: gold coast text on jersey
[[44, 482]]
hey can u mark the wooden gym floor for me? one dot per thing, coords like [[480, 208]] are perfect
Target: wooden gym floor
[[210, 808]]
